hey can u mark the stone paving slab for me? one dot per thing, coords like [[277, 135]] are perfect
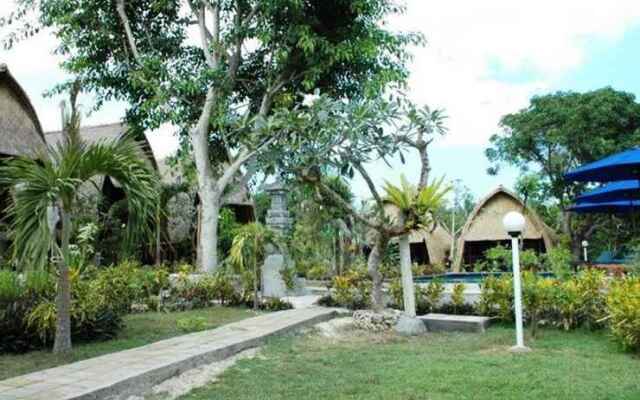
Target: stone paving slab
[[136, 370], [453, 323]]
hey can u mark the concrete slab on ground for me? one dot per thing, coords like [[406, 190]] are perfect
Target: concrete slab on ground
[[135, 371], [453, 323]]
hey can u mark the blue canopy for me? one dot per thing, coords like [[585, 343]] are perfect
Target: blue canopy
[[609, 207], [615, 191], [620, 166]]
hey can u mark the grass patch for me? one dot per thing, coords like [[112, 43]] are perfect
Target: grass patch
[[563, 365], [140, 329]]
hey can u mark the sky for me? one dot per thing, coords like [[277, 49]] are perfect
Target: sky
[[482, 60]]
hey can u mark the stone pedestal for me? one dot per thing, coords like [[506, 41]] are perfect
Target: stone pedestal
[[272, 283], [278, 220]]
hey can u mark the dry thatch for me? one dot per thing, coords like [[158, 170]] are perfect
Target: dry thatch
[[20, 130], [438, 242], [485, 222]]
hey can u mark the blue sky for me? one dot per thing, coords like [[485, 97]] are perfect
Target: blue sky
[[483, 60]]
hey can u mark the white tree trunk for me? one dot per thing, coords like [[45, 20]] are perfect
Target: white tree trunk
[[408, 292], [208, 240]]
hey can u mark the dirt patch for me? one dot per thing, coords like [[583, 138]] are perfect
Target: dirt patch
[[194, 378], [343, 330]]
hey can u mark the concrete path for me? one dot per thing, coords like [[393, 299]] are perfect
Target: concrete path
[[135, 371]]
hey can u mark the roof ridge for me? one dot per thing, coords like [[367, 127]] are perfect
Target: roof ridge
[[88, 127]]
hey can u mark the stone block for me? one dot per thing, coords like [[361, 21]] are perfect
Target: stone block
[[455, 323], [410, 326]]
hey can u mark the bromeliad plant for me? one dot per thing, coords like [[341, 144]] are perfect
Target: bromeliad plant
[[46, 193]]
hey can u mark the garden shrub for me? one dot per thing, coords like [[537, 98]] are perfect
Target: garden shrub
[[457, 296], [623, 307], [429, 296], [558, 260], [28, 311], [352, 290], [191, 324]]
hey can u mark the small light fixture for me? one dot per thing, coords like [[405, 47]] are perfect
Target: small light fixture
[[513, 223]]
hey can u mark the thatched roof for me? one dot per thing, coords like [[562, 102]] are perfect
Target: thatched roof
[[93, 134], [20, 130], [485, 221], [438, 242]]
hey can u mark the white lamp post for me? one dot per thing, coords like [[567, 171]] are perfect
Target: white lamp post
[[513, 223], [585, 252]]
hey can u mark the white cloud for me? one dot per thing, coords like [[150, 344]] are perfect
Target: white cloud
[[466, 38]]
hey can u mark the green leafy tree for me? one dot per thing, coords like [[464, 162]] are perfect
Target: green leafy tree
[[47, 190], [248, 58], [561, 131]]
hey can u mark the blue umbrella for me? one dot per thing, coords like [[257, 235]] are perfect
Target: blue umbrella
[[615, 191], [608, 207], [620, 166]]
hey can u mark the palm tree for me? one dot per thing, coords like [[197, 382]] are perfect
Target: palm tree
[[416, 206], [46, 191], [249, 250]]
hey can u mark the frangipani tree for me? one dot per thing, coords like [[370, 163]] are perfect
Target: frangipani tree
[[415, 210], [46, 192], [348, 137]]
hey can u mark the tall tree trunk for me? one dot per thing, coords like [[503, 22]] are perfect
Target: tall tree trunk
[[62, 342], [373, 264], [208, 240], [408, 291], [209, 196]]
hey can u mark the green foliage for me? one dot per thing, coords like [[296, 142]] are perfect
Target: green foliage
[[192, 324], [352, 290], [548, 138], [457, 295], [228, 228], [558, 260], [623, 305], [28, 316], [496, 297], [496, 259], [430, 296], [56, 180], [417, 205]]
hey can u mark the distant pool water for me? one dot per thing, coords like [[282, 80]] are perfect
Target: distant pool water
[[467, 277]]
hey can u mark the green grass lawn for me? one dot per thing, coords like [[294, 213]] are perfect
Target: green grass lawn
[[140, 329], [574, 365]]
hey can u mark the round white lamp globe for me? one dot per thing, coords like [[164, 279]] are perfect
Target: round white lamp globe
[[585, 243], [513, 223]]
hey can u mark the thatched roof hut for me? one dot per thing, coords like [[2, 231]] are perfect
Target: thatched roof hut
[[20, 130], [430, 246], [483, 229]]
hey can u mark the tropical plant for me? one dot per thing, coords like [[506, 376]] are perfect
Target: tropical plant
[[623, 304], [46, 191], [248, 252], [457, 296], [416, 206]]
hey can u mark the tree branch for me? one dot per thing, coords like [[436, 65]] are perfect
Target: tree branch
[[370, 184], [127, 30]]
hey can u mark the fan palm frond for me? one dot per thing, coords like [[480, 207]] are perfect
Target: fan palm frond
[[56, 178]]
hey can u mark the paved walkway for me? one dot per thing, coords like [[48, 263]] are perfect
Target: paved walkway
[[137, 370]]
